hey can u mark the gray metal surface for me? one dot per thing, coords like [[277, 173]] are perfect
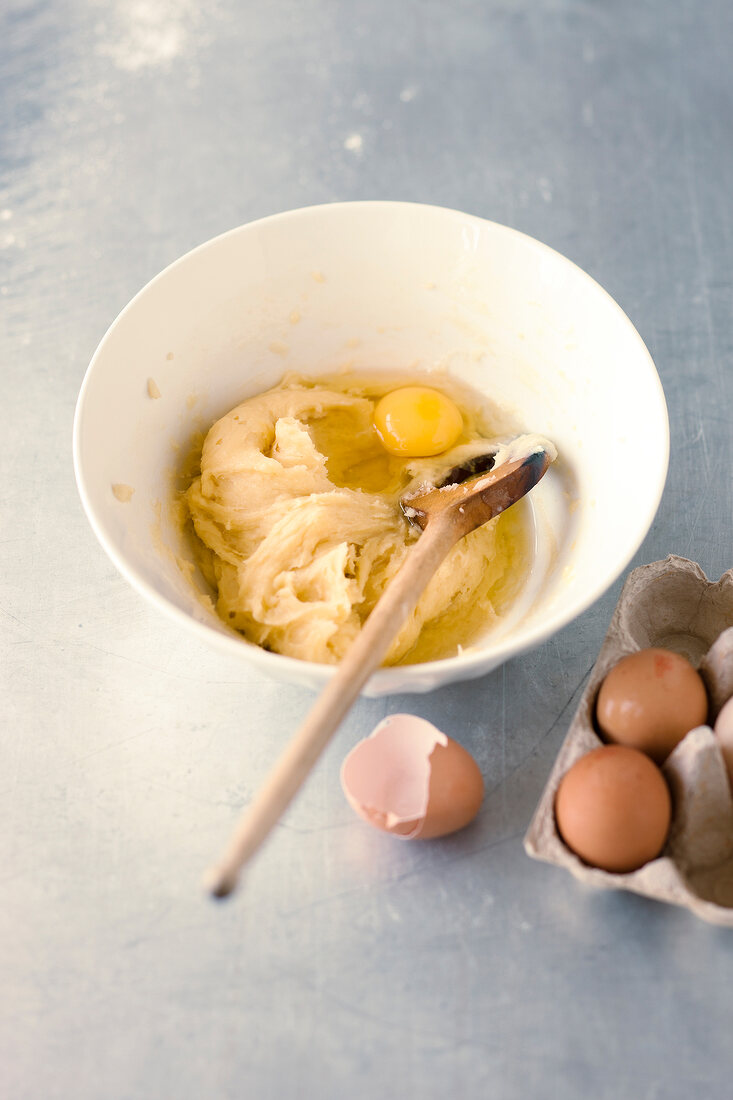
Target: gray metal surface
[[352, 965]]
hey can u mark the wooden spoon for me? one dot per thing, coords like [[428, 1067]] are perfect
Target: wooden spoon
[[445, 515]]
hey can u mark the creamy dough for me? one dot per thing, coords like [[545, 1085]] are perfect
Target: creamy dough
[[296, 513]]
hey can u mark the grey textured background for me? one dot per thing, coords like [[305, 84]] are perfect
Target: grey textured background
[[352, 965]]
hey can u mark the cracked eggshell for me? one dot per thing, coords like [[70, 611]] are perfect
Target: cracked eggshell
[[411, 780]]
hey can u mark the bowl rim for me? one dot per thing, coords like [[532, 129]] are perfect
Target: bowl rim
[[397, 678]]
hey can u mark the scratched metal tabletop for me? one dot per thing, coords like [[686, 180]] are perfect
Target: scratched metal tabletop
[[352, 966]]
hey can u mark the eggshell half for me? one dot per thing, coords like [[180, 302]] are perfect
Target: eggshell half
[[411, 780]]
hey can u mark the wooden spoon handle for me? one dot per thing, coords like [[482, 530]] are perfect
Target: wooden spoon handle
[[333, 704]]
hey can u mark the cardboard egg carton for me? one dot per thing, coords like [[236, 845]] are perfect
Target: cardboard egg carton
[[670, 604]]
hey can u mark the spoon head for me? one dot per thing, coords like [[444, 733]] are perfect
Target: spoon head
[[479, 464], [478, 497]]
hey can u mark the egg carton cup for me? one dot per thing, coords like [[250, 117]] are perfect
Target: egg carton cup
[[670, 604]]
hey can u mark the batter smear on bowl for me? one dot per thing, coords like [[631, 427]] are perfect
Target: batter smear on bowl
[[297, 526]]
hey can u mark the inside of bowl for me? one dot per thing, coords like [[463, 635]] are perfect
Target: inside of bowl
[[378, 287]]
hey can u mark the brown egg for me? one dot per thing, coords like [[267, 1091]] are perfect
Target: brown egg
[[411, 780], [613, 808], [724, 733], [650, 700]]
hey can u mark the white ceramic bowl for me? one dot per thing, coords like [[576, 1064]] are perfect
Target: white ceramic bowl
[[382, 285]]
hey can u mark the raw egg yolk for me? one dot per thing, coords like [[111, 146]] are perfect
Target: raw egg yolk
[[416, 421]]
